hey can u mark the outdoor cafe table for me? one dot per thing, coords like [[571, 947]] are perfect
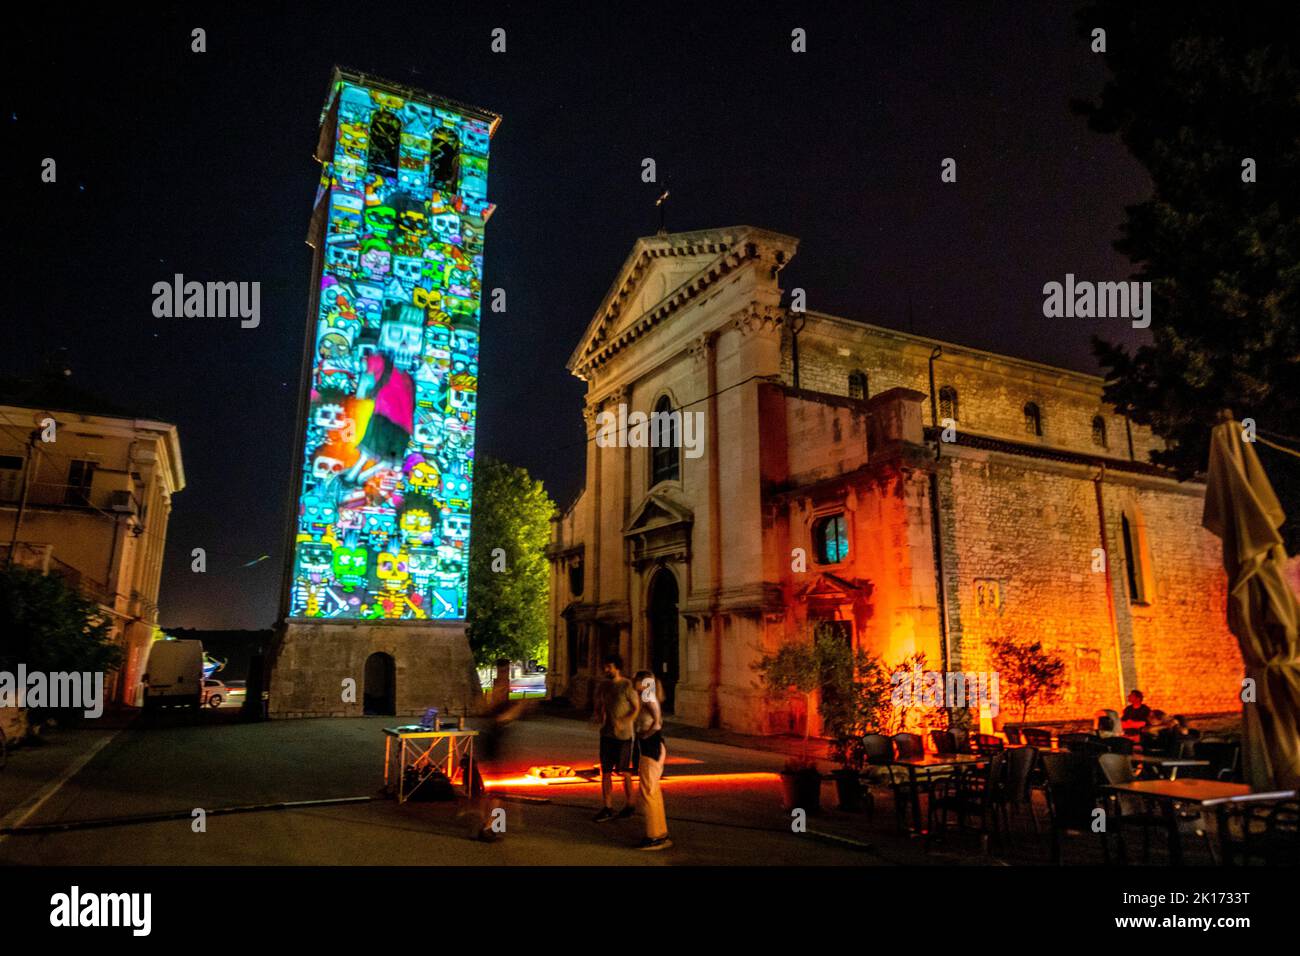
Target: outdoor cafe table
[[1170, 763], [1167, 793], [426, 750], [932, 762]]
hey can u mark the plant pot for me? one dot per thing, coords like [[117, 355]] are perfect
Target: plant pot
[[802, 789], [848, 790]]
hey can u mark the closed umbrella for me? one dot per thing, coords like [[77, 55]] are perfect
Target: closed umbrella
[[1242, 510]]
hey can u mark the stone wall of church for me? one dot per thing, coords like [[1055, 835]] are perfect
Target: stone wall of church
[[1018, 555], [991, 390]]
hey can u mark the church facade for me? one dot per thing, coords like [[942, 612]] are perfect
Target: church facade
[[920, 495]]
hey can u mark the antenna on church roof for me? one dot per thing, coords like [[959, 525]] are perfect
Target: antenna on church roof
[[661, 202]]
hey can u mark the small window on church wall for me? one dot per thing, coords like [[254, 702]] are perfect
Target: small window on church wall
[[1099, 432], [831, 539], [575, 579], [1137, 565], [665, 437], [858, 385], [1033, 420], [948, 403], [385, 142]]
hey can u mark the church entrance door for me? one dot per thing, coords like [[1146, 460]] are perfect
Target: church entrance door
[[662, 614]]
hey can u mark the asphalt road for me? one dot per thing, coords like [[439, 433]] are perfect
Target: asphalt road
[[179, 765]]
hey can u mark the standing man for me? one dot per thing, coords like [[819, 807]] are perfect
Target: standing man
[[617, 704]]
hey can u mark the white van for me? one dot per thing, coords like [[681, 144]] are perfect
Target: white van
[[173, 675]]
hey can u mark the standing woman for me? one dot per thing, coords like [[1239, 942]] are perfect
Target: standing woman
[[650, 767]]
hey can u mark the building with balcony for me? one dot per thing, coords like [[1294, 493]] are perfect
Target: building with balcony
[[86, 495]]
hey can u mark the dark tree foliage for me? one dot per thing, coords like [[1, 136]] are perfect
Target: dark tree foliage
[[49, 627], [1195, 90]]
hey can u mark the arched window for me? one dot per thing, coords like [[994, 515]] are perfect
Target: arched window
[[1033, 419], [830, 539], [858, 384], [948, 403], [385, 142], [1099, 432], [444, 161], [665, 442]]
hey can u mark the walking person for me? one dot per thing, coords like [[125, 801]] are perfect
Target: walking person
[[617, 705], [649, 726]]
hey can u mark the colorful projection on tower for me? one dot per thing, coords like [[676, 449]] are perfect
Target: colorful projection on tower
[[384, 512]]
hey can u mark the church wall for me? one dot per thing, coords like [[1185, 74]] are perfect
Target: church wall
[[991, 390], [1018, 543], [1187, 660]]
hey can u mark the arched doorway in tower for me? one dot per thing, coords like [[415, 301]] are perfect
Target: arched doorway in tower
[[662, 619], [380, 694]]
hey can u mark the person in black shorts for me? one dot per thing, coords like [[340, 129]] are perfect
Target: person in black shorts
[[617, 704]]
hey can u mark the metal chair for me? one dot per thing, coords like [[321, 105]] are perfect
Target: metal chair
[[1224, 757], [1021, 762], [1270, 829], [986, 745], [945, 742], [1037, 737], [1116, 745], [1118, 768], [978, 795], [1083, 743], [1071, 798], [879, 752], [1013, 734], [909, 746]]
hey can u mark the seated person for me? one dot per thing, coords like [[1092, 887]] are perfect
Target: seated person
[[1108, 724], [1182, 736], [1157, 736], [1136, 715]]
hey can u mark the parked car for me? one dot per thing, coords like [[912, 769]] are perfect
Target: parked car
[[215, 693], [236, 690]]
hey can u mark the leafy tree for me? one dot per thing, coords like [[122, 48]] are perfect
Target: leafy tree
[[49, 627], [508, 573], [851, 688], [1027, 674], [1194, 92]]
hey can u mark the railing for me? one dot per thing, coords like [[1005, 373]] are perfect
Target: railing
[[38, 557]]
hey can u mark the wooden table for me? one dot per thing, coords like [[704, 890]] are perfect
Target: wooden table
[[931, 762], [1170, 792], [1172, 763]]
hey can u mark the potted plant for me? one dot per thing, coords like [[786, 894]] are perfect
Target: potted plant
[[855, 700], [1027, 674], [795, 667]]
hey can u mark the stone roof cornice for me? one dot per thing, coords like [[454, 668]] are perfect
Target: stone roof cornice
[[730, 249]]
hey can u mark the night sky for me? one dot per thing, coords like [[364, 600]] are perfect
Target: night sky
[[171, 161]]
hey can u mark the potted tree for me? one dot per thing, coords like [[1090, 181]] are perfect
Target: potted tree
[[795, 667], [855, 700], [1027, 674], [852, 694]]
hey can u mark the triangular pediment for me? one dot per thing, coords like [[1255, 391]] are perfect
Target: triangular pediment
[[664, 272], [835, 589], [658, 511]]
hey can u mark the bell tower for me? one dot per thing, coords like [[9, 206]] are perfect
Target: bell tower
[[373, 601]]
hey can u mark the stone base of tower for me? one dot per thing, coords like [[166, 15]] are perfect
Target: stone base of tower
[[428, 664]]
